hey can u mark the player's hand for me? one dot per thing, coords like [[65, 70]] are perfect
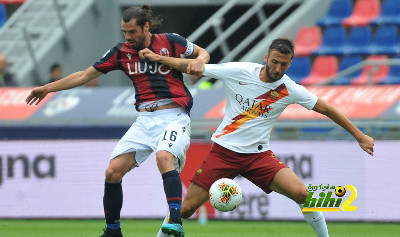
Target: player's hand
[[196, 67], [36, 95], [147, 53], [367, 144]]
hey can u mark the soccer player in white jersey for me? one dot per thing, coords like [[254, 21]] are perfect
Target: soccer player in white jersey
[[241, 142]]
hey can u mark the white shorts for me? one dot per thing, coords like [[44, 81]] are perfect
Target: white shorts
[[161, 130]]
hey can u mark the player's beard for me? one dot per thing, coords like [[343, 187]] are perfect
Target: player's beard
[[272, 76], [138, 45]]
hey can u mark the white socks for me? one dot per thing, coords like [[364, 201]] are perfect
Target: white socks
[[317, 221]]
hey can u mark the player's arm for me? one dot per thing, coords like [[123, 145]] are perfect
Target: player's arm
[[71, 81], [201, 56], [365, 142], [179, 64]]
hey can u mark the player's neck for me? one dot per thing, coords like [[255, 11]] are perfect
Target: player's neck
[[148, 40], [263, 74]]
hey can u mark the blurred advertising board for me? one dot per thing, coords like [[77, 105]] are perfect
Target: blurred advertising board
[[65, 178], [116, 104], [13, 105], [79, 104]]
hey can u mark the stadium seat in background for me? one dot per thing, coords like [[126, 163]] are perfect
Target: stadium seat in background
[[323, 68], [378, 73], [300, 68], [3, 14], [333, 39], [363, 13], [390, 13], [346, 62], [397, 47], [338, 10], [307, 40], [358, 41], [394, 74], [384, 40]]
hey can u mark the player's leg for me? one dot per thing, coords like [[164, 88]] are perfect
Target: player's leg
[[220, 163], [217, 165], [171, 155], [131, 150], [173, 192], [195, 197], [113, 196], [172, 184], [287, 183], [270, 174]]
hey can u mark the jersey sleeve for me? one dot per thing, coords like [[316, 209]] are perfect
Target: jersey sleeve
[[183, 47], [303, 97], [108, 62], [220, 71]]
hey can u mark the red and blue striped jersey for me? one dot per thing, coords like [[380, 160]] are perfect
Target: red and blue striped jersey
[[152, 80]]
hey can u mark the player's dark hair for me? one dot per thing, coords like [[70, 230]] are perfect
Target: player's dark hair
[[282, 45], [142, 15], [54, 66]]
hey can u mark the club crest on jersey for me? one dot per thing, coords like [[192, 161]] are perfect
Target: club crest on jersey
[[129, 56], [164, 52], [274, 95], [199, 171]]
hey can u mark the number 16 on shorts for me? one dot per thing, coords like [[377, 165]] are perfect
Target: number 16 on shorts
[[175, 139], [171, 136]]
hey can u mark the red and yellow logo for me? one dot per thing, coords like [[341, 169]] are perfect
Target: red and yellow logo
[[260, 108], [227, 192]]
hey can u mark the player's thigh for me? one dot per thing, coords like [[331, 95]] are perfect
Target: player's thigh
[[261, 169], [195, 197], [137, 140], [218, 164], [287, 183]]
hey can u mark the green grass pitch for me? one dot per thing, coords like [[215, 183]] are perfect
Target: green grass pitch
[[146, 228]]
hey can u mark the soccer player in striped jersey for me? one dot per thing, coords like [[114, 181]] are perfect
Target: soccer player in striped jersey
[[163, 102]]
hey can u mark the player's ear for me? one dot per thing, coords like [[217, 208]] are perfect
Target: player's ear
[[146, 27], [266, 58]]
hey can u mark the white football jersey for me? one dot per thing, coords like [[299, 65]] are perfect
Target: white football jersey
[[252, 106]]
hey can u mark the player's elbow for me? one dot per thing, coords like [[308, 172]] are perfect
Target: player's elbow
[[203, 54], [323, 107]]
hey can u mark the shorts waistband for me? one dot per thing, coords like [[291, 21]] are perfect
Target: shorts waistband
[[164, 111], [218, 148], [156, 106]]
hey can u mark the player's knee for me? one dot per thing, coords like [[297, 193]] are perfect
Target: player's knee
[[165, 161], [301, 196], [113, 175]]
